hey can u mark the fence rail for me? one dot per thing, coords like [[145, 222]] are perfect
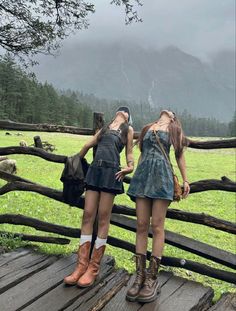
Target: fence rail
[[119, 212], [98, 121]]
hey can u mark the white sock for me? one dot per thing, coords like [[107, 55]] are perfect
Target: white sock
[[85, 238], [100, 242]]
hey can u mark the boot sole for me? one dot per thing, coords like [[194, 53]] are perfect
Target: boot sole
[[87, 285], [132, 299], [70, 284], [150, 298]]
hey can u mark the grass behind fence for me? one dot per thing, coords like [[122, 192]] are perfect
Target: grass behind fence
[[212, 164]]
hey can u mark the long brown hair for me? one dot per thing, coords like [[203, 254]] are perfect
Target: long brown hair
[[177, 137], [124, 127]]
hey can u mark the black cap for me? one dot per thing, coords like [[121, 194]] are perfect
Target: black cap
[[125, 109]]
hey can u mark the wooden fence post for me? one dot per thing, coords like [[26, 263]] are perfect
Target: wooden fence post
[[38, 142], [98, 122]]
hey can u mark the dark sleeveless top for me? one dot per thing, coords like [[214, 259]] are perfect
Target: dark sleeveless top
[[106, 163]]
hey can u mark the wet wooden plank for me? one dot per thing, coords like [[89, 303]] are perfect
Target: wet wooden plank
[[32, 281], [120, 303], [11, 256], [63, 296], [98, 297], [17, 276], [22, 262], [227, 302], [37, 285], [179, 294]]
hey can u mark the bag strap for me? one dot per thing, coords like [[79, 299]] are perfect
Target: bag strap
[[163, 151]]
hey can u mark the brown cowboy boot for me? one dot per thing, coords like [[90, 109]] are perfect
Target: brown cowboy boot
[[133, 292], [151, 287], [88, 278], [82, 264]]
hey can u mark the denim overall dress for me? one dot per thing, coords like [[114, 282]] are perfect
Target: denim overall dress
[[106, 163], [153, 177]]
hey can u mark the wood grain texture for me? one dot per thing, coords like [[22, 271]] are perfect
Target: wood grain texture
[[227, 302], [61, 296]]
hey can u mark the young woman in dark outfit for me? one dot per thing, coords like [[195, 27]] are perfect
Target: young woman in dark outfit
[[152, 187], [103, 182]]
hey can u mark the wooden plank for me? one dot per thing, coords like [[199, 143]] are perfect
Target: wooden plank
[[179, 294], [62, 296], [36, 238], [227, 302], [43, 127], [213, 144], [18, 276], [21, 263], [37, 284], [98, 296], [201, 249], [11, 256], [120, 303], [183, 242], [197, 218], [179, 262]]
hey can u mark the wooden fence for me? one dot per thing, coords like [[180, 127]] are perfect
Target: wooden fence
[[119, 212]]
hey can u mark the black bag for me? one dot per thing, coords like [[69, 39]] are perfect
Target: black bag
[[73, 179]]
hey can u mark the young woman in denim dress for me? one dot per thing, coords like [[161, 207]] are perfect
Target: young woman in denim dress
[[103, 182], [152, 188]]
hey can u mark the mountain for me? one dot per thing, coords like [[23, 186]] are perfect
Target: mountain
[[166, 78]]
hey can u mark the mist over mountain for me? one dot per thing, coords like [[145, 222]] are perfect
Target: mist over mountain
[[168, 77]]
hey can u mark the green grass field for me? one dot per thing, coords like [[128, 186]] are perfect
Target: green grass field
[[200, 165]]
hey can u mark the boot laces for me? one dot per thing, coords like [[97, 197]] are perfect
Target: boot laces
[[151, 276], [149, 281], [138, 278]]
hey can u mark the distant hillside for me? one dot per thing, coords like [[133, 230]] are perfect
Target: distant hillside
[[167, 78]]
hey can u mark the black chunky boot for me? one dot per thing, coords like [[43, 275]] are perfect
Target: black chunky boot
[[133, 292], [151, 287]]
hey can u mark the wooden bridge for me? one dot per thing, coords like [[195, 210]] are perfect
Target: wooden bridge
[[32, 281]]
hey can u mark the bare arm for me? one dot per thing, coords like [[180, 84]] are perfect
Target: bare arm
[[129, 150], [129, 156], [182, 167], [91, 143]]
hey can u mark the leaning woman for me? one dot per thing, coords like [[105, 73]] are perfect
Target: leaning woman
[[103, 182], [152, 188]]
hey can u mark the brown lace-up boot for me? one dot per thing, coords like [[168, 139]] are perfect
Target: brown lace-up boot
[[88, 278], [151, 286], [133, 292], [82, 264]]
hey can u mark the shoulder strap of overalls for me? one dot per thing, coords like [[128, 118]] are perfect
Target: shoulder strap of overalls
[[163, 151]]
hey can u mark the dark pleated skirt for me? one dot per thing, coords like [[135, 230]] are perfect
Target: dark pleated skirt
[[99, 178]]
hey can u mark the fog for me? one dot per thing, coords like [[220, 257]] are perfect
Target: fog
[[198, 27]]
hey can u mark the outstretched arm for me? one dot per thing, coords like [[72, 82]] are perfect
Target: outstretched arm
[[182, 167], [91, 143]]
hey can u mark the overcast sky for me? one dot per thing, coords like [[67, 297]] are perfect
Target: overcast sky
[[199, 27]]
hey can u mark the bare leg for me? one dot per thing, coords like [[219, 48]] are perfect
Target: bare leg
[[90, 210], [143, 211], [104, 213], [159, 209]]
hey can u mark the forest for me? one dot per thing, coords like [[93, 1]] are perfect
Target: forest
[[24, 99]]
